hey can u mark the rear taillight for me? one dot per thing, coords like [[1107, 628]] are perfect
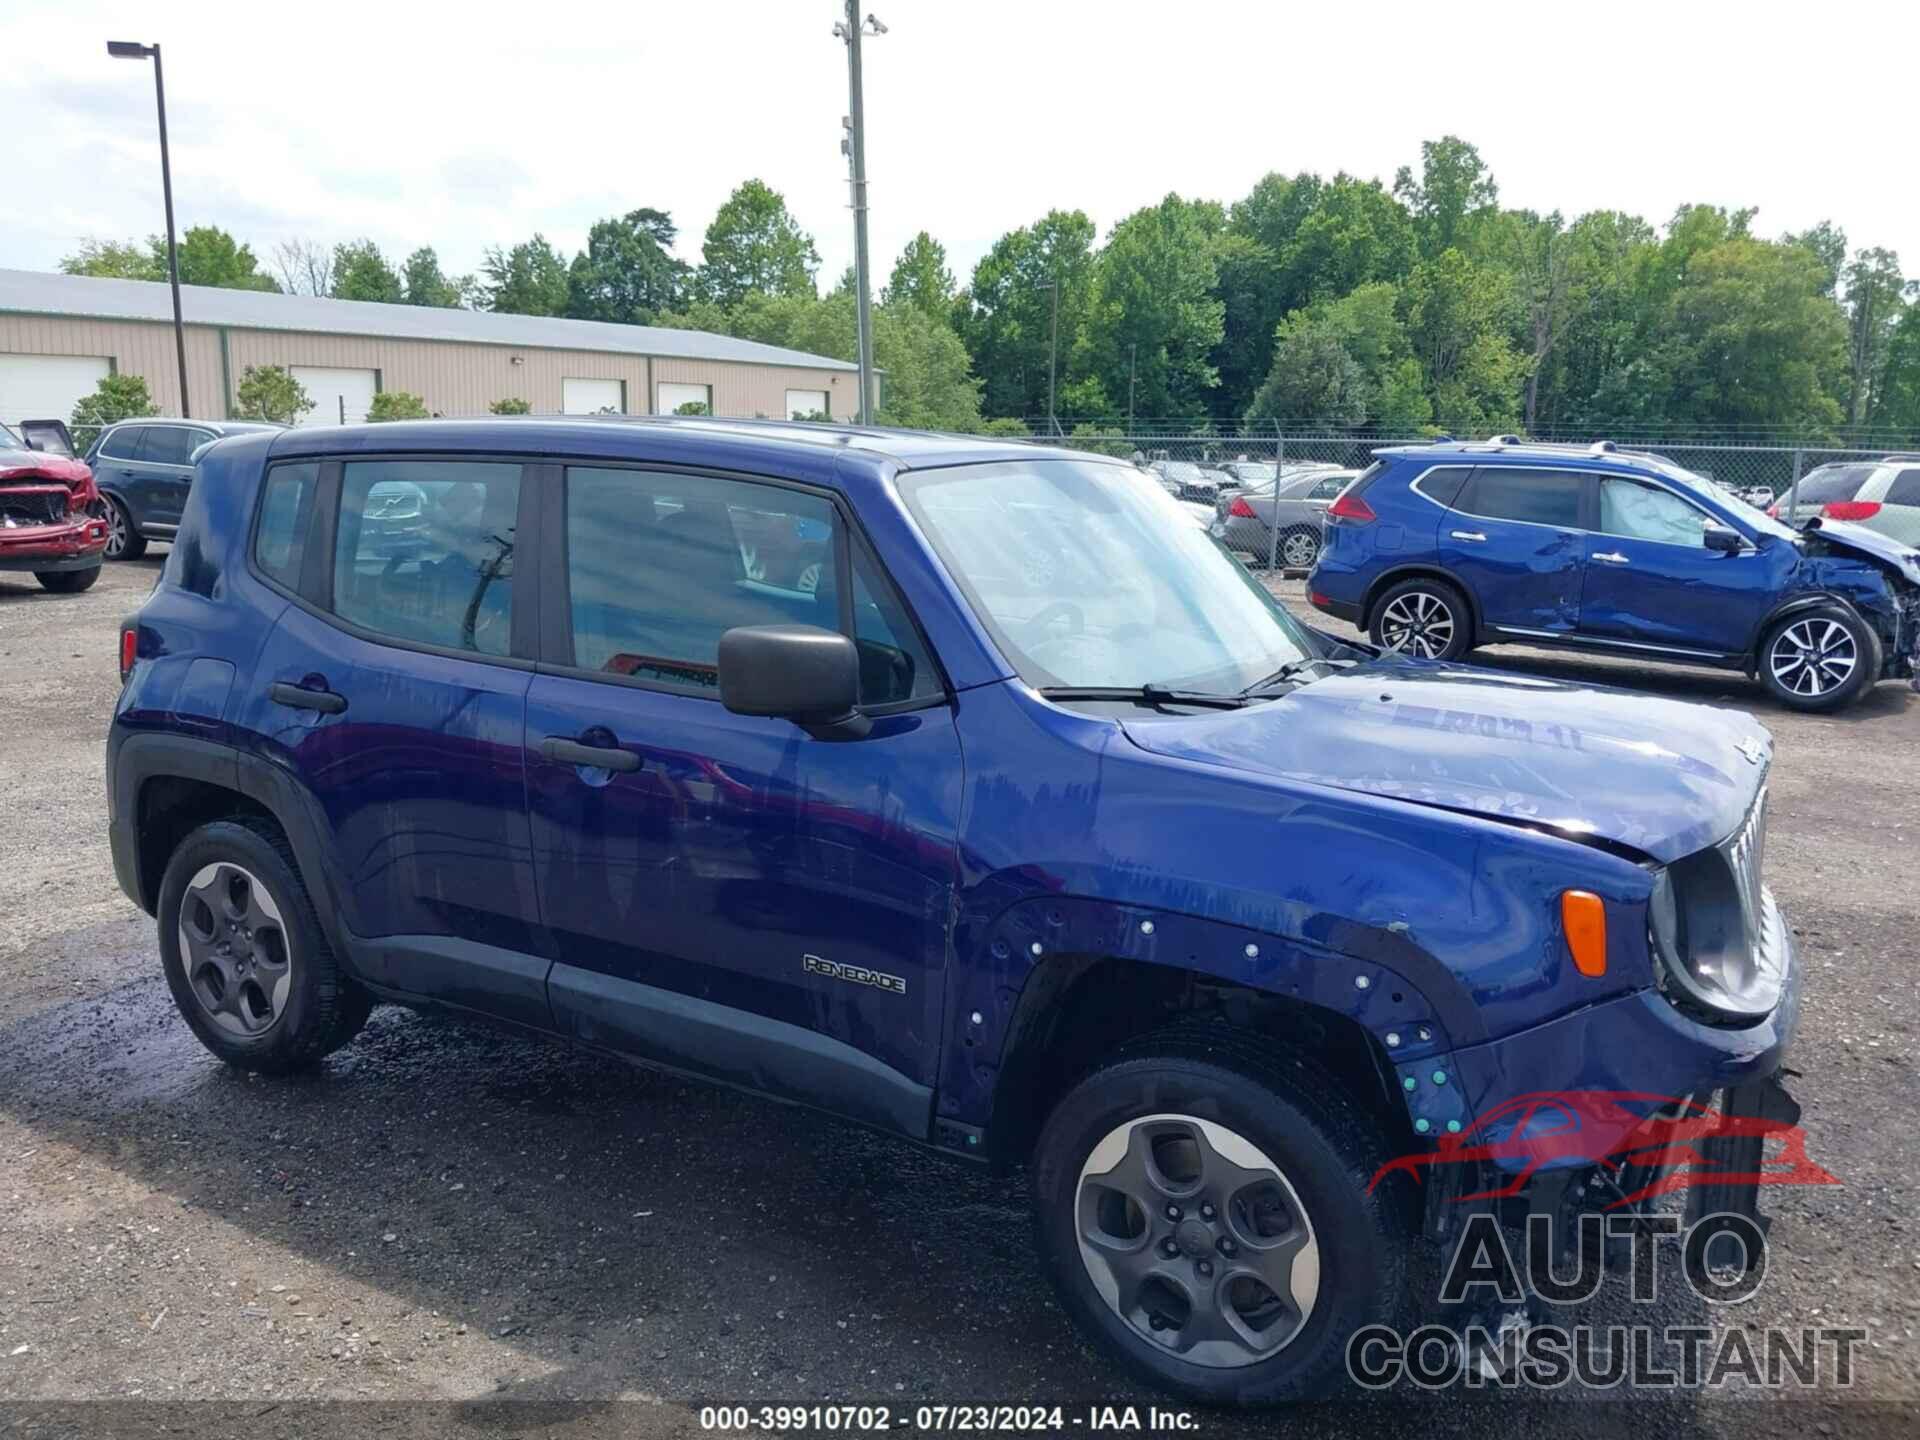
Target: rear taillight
[[1241, 508], [1773, 512], [129, 649], [1851, 510], [1351, 507]]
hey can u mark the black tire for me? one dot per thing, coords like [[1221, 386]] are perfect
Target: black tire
[[123, 541], [67, 582], [1299, 547], [1426, 618], [1326, 1147], [1821, 640], [319, 1009]]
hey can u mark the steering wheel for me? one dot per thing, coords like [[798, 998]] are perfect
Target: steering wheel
[[1060, 610]]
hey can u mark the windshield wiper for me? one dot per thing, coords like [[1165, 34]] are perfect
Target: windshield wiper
[[1146, 695], [1285, 673]]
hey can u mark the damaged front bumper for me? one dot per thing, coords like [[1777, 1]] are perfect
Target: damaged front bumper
[[70, 545]]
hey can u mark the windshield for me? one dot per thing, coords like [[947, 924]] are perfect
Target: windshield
[[11, 440], [1085, 577], [1758, 519]]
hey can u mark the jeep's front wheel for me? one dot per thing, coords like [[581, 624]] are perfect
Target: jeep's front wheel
[[244, 955], [1206, 1216]]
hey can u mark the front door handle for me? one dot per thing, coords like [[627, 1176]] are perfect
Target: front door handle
[[1474, 535], [603, 757], [1612, 557], [299, 697]]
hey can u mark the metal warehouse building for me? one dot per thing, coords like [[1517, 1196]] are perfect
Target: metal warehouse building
[[59, 334]]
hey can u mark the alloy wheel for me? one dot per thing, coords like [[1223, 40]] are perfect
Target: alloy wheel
[[117, 528], [1299, 550], [1197, 1240], [1417, 623], [1813, 657], [234, 945]]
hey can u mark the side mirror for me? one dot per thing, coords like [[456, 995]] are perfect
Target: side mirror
[[795, 672], [1724, 538]]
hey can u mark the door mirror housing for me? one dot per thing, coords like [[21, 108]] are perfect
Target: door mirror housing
[[800, 673], [1724, 538]]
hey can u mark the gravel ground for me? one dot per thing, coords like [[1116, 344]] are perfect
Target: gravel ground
[[449, 1214]]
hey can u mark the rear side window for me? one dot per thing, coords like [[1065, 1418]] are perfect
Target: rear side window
[[286, 503], [1905, 489], [1833, 482], [425, 551], [1537, 497], [1330, 487], [660, 565]]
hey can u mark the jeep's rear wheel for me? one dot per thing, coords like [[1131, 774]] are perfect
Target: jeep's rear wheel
[[244, 955], [1205, 1214]]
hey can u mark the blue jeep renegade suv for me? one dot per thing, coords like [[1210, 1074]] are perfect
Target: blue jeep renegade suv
[[1439, 548], [960, 788]]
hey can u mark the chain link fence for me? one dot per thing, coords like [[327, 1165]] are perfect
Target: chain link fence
[[1746, 469]]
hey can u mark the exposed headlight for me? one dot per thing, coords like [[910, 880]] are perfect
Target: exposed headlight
[[1713, 930]]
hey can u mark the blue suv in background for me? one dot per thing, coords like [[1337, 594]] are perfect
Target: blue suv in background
[[1439, 548], [961, 788], [144, 469]]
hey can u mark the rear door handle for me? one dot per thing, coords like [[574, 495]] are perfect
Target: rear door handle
[[1473, 535], [1612, 557], [603, 757], [298, 697]]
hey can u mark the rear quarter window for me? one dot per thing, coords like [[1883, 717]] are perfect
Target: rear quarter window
[[1905, 489], [1834, 482], [286, 504]]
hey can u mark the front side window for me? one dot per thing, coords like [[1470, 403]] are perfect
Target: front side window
[[425, 551], [1647, 512], [1535, 497], [124, 442], [286, 501], [172, 444], [1085, 577], [660, 565]]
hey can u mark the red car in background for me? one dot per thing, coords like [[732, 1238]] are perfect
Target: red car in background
[[49, 516]]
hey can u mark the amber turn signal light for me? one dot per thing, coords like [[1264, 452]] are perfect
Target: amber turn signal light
[[1584, 919]]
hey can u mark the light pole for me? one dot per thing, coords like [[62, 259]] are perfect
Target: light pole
[[1053, 347], [131, 50], [849, 30]]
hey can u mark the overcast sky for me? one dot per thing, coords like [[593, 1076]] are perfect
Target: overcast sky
[[474, 124]]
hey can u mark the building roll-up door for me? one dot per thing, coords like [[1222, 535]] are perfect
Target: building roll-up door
[[673, 398], [47, 387], [806, 404], [339, 396], [592, 397]]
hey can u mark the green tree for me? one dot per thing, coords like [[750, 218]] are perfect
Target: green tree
[[1828, 243], [267, 392], [512, 405], [529, 279], [210, 256], [1005, 317], [1459, 318], [396, 405], [112, 260], [1454, 189], [927, 379], [1313, 382], [1875, 298], [1346, 362], [1155, 317], [116, 397], [627, 273], [754, 244], [920, 277], [361, 272], [693, 407], [425, 283], [1897, 404]]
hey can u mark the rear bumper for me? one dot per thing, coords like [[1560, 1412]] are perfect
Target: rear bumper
[[1247, 535], [1339, 609], [79, 546]]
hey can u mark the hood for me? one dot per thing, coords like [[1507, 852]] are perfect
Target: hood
[[1859, 540], [19, 465], [1663, 777]]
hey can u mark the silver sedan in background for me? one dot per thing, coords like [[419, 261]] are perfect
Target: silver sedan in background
[[1296, 508]]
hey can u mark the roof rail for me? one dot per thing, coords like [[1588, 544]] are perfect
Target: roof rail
[[1505, 440], [1901, 455], [1603, 447]]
